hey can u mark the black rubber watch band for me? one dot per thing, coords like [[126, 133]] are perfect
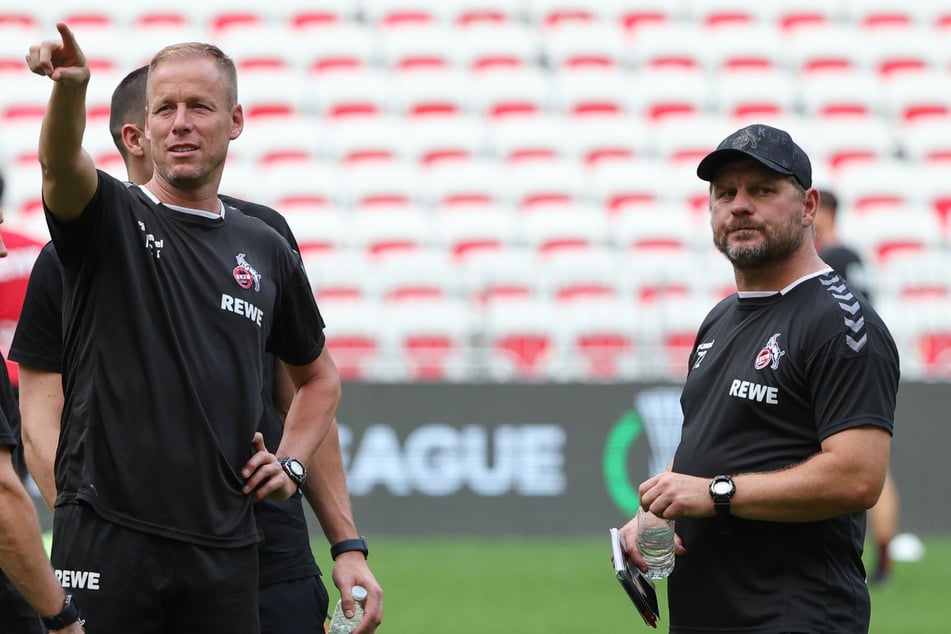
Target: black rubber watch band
[[349, 545], [66, 617], [721, 499]]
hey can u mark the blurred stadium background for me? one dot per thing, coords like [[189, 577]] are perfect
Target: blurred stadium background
[[498, 208], [511, 182]]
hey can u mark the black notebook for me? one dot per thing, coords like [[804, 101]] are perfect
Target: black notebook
[[638, 586]]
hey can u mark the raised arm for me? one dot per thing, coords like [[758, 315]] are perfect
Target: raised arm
[[69, 174]]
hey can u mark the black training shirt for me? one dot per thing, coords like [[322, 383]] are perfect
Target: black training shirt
[[284, 552], [167, 318], [769, 379]]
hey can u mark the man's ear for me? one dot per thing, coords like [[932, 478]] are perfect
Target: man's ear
[[811, 207], [237, 122], [132, 137]]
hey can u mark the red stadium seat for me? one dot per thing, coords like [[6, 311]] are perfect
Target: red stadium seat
[[430, 338], [354, 335], [600, 340], [521, 339]]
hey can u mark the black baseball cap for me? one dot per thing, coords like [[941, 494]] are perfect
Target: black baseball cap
[[770, 146]]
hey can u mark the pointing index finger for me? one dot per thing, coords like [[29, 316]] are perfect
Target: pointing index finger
[[69, 40]]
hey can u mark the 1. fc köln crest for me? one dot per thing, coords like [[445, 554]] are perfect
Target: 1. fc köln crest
[[770, 354], [245, 275]]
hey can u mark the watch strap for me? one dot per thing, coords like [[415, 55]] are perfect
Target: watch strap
[[721, 502], [349, 545], [66, 617]]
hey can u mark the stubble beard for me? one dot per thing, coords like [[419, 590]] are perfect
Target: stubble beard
[[187, 179], [774, 247]]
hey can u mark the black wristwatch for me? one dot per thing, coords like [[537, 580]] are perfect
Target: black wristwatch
[[722, 489], [66, 617], [295, 470], [348, 545]]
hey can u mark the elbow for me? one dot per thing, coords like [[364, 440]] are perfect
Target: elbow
[[336, 391], [864, 494]]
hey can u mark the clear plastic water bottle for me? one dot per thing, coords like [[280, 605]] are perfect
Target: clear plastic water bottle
[[655, 540], [339, 623]]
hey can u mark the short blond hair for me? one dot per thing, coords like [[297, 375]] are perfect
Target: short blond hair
[[187, 50]]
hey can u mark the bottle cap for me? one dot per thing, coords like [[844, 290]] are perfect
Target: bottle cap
[[359, 593]]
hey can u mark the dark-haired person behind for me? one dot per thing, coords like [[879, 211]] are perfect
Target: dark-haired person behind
[[845, 261], [789, 407]]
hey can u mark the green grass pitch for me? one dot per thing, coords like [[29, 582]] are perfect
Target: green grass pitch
[[566, 586]]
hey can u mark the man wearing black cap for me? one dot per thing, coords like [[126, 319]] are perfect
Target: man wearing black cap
[[788, 414]]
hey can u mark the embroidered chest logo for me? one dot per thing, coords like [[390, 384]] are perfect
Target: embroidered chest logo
[[702, 350], [245, 275], [770, 354], [151, 243]]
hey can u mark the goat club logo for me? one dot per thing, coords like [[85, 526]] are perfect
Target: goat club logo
[[245, 275], [770, 354]]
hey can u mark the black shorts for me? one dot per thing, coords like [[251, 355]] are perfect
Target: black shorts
[[125, 580], [298, 605]]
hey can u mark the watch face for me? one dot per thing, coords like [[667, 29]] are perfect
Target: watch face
[[296, 467], [722, 487]]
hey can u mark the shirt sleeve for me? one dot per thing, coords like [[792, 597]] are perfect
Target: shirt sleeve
[[38, 340]]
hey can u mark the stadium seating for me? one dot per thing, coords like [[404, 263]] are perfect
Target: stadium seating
[[354, 335], [584, 45], [922, 331], [506, 272], [483, 47], [889, 233], [828, 48], [527, 165], [429, 339], [473, 231], [671, 325], [521, 339], [599, 340]]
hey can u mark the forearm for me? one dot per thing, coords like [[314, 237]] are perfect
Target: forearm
[[69, 174], [41, 405], [314, 406], [22, 556], [845, 477], [63, 128], [326, 489], [804, 493]]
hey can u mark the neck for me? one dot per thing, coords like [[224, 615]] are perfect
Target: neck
[[203, 198]]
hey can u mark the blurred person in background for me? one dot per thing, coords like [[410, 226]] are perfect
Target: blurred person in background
[[21, 252], [292, 596], [28, 587], [848, 263], [171, 302], [788, 408]]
